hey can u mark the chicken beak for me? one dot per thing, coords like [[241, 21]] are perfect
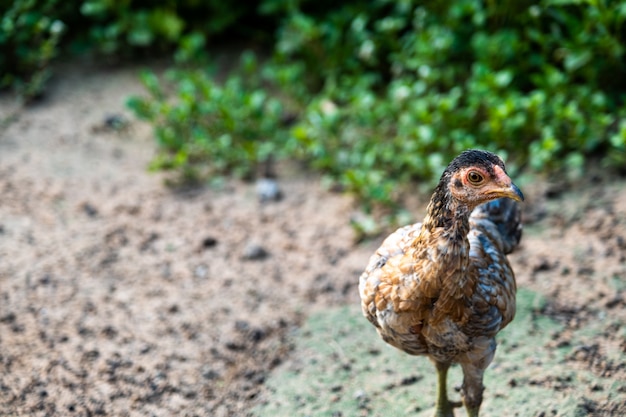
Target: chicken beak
[[512, 192], [504, 187]]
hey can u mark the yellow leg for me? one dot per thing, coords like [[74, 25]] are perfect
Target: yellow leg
[[444, 406], [472, 412]]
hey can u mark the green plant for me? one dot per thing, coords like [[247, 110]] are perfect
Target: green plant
[[30, 32], [29, 35], [386, 92], [117, 24], [132, 26], [212, 129], [399, 88]]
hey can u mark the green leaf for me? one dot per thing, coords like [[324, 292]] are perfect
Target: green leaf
[[574, 60]]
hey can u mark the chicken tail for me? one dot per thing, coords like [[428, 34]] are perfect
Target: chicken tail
[[507, 216]]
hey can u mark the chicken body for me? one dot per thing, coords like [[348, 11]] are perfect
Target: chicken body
[[444, 287]]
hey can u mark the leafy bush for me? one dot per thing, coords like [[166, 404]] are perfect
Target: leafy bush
[[423, 82], [212, 129], [388, 91], [30, 31], [28, 41], [117, 24], [384, 92], [120, 27]]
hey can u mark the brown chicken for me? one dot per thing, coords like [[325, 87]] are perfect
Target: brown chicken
[[444, 288]]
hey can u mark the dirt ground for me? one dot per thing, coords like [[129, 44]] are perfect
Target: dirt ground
[[121, 297]]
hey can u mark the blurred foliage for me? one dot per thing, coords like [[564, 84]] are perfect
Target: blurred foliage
[[387, 92], [379, 93], [411, 85], [208, 128], [29, 36], [33, 32], [135, 25]]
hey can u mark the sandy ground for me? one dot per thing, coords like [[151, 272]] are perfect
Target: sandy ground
[[121, 297]]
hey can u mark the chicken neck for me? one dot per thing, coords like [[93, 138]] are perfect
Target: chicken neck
[[443, 238], [446, 215], [444, 244]]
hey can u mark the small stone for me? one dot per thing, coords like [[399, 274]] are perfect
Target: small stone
[[8, 318], [410, 380], [614, 302], [234, 346], [209, 242], [89, 210], [242, 325], [256, 334], [543, 265], [109, 332], [115, 121], [254, 252], [45, 280], [360, 395], [267, 190], [362, 398], [201, 271], [210, 374]]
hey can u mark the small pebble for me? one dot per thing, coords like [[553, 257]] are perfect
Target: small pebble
[[201, 271], [209, 242], [89, 210], [115, 121], [267, 190], [360, 395], [8, 318], [254, 252], [210, 374]]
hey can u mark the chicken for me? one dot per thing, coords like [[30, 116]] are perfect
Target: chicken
[[444, 288]]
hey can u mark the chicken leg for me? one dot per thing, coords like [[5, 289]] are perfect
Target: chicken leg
[[474, 364], [444, 405]]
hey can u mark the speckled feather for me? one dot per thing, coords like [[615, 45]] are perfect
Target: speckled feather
[[444, 287]]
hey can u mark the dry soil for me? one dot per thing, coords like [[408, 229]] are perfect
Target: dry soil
[[122, 297]]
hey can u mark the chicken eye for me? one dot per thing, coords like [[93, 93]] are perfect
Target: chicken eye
[[474, 177]]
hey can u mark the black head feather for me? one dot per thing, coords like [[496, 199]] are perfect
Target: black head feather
[[473, 157]]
